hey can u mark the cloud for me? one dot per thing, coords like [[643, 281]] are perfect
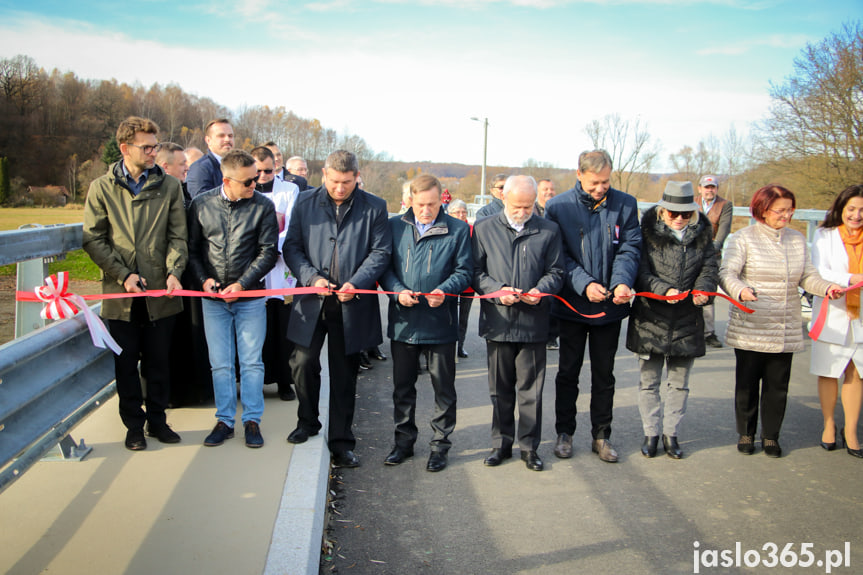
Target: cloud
[[743, 46]]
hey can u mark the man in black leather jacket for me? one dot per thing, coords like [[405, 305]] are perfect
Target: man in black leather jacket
[[232, 242]]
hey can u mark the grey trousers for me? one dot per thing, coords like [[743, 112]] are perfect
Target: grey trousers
[[516, 373], [709, 312], [669, 411]]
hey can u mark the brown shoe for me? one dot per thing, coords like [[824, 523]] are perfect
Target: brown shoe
[[605, 450], [563, 446]]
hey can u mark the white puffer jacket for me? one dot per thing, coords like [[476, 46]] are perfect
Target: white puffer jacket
[[773, 263]]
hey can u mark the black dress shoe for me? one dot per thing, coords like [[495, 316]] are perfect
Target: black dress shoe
[[771, 447], [531, 460], [135, 440], [497, 455], [437, 461], [345, 459], [830, 446], [376, 353], [648, 448], [852, 452], [746, 444], [163, 433], [462, 353], [398, 455], [287, 393], [300, 435], [672, 449]]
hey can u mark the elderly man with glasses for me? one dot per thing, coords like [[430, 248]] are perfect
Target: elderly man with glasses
[[233, 234]]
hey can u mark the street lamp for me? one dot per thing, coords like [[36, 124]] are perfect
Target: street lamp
[[484, 150]]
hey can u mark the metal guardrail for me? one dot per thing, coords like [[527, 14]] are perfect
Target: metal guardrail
[[50, 378]]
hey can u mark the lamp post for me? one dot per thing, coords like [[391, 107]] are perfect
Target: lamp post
[[484, 150]]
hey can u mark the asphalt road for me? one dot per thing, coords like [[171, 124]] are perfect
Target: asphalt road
[[583, 515]]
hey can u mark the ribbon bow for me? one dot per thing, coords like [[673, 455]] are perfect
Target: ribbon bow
[[62, 304]]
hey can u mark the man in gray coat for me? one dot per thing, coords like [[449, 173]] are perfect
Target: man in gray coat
[[338, 239], [520, 253]]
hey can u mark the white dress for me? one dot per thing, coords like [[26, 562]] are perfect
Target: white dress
[[841, 340]]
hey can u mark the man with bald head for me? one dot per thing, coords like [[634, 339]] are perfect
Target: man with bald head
[[519, 253], [172, 159]]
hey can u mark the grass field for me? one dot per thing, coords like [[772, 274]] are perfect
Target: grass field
[[77, 263]]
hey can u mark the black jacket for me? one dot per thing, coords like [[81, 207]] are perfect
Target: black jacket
[[204, 175], [232, 241], [364, 246], [527, 259], [493, 207], [675, 329]]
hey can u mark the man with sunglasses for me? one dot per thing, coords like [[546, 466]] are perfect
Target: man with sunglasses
[[135, 231], [233, 233], [496, 204]]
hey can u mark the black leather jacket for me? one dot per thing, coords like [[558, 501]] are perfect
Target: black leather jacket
[[232, 241]]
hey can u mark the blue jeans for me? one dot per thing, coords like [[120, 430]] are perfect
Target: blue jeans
[[247, 318]]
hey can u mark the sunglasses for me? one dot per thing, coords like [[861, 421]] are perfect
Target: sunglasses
[[682, 215], [246, 183], [268, 172]]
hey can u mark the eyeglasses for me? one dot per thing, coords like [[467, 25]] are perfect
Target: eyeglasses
[[682, 215], [268, 172], [148, 149], [498, 187], [245, 183], [782, 213]]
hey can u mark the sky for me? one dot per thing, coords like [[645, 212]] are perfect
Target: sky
[[408, 76]]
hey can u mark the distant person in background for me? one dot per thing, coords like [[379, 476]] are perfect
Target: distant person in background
[[233, 233], [446, 198], [135, 231], [496, 204], [406, 197], [763, 266], [458, 210], [720, 213], [520, 253], [193, 154], [431, 255], [172, 159], [297, 171], [206, 173], [545, 191], [277, 349], [837, 253]]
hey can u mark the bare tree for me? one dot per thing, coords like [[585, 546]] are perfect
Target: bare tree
[[628, 142], [692, 163], [815, 126]]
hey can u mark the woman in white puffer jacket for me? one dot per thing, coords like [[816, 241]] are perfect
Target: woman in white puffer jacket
[[762, 266]]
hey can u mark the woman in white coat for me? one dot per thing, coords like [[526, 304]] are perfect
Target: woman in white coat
[[837, 252]]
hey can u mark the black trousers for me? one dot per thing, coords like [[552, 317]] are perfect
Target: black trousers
[[277, 349], [441, 358], [191, 377], [769, 374], [150, 343], [516, 372], [306, 370], [602, 342], [464, 304]]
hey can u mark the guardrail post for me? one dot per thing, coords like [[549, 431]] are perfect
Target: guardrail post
[[31, 273]]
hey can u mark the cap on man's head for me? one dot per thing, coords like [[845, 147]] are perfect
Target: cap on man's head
[[708, 181]]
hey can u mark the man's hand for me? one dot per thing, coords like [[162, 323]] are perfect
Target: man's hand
[[834, 291], [622, 294], [435, 298], [323, 283], [233, 288], [345, 297], [596, 293], [172, 284], [407, 298], [210, 286], [131, 285], [530, 298], [509, 299]]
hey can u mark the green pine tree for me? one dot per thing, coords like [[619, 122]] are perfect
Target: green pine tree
[[5, 185], [111, 152]]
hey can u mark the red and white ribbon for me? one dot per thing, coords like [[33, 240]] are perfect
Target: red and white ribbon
[[61, 304]]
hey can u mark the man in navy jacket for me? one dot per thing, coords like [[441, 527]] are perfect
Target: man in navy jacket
[[431, 255], [338, 239], [206, 173], [602, 248]]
